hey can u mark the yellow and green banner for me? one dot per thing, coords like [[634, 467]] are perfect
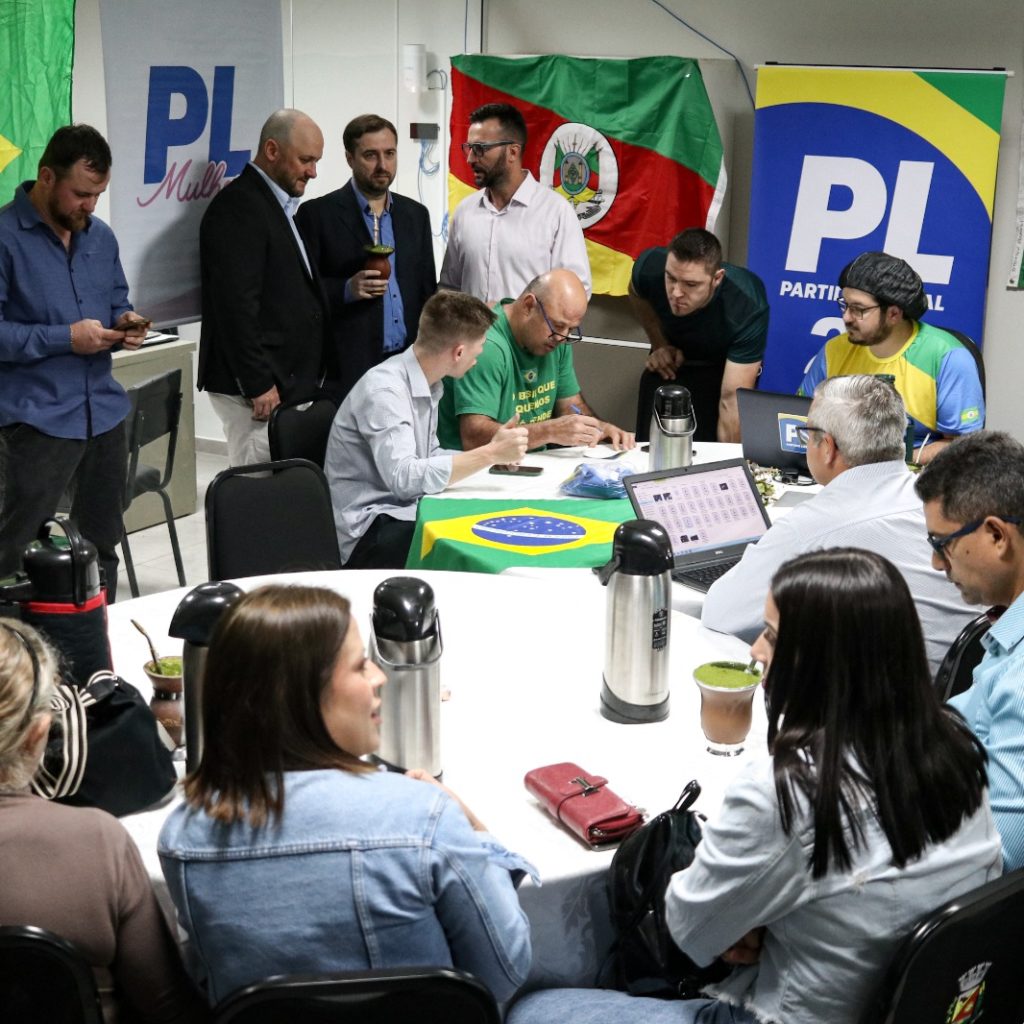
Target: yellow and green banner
[[849, 160], [632, 144], [490, 536], [37, 42]]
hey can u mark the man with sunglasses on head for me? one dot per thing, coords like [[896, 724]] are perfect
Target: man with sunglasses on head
[[973, 494], [855, 450], [514, 228], [526, 369], [882, 305]]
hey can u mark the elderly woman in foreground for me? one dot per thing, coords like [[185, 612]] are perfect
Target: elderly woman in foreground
[[74, 870]]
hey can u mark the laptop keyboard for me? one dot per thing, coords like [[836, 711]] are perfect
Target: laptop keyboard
[[702, 576]]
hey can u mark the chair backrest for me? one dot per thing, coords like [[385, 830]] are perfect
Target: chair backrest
[[44, 978], [270, 517], [406, 995], [961, 963], [956, 672], [972, 347], [299, 430], [155, 412]]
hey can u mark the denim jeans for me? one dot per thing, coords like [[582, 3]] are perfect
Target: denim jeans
[[601, 1006]]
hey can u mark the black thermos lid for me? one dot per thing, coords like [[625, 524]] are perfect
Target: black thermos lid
[[200, 610], [403, 609], [641, 548], [673, 402]]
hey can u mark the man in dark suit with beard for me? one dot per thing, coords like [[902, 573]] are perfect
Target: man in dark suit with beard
[[264, 313], [372, 317]]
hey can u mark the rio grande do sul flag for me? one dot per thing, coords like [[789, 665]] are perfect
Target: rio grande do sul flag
[[477, 535], [37, 39], [632, 144]]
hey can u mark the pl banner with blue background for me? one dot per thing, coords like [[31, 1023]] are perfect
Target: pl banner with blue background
[[850, 160], [188, 85]]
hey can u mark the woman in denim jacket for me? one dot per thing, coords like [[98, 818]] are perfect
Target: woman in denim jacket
[[291, 854]]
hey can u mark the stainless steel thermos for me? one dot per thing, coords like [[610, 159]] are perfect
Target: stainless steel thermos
[[194, 619], [635, 683], [405, 641], [672, 427]]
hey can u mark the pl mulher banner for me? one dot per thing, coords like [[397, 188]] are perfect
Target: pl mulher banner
[[189, 85], [851, 160]]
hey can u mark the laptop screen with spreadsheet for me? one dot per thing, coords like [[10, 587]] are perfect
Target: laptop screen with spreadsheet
[[707, 510]]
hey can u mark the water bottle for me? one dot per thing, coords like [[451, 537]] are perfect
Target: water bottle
[[634, 687], [405, 641], [194, 619], [672, 427]]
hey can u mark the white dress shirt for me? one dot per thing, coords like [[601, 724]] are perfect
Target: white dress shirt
[[873, 507], [382, 453], [494, 254]]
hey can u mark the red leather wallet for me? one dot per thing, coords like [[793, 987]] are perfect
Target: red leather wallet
[[583, 803]]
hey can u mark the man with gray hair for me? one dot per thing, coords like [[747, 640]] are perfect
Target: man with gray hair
[[264, 313], [973, 494], [882, 305], [854, 437]]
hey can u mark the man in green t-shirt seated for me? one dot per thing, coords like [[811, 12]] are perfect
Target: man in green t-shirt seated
[[526, 369], [707, 322]]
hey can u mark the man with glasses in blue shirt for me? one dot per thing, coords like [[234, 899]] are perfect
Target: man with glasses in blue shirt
[[514, 228], [882, 305], [973, 494], [526, 369]]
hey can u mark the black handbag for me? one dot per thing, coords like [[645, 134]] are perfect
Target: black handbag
[[105, 749], [645, 959]]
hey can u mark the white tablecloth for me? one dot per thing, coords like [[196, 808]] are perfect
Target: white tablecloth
[[558, 465], [523, 659]]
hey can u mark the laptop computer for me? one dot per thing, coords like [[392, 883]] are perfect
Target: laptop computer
[[768, 423], [711, 512]]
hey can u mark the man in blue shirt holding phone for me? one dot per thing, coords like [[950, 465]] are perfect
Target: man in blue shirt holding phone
[[63, 308]]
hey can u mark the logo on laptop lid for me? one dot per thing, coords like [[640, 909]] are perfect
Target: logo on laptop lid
[[789, 440]]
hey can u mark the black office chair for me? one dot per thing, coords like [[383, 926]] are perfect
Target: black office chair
[[270, 517], [961, 963], [405, 995], [155, 413], [44, 978], [972, 347], [299, 430], [956, 672]]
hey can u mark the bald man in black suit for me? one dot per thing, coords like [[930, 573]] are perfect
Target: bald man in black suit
[[264, 311]]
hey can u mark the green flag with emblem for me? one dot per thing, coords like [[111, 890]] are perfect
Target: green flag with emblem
[[37, 45]]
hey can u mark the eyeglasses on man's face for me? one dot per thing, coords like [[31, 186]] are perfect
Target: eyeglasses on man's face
[[857, 312], [804, 433], [570, 337], [478, 149], [941, 541]]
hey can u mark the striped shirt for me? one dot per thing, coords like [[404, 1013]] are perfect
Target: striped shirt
[[994, 709]]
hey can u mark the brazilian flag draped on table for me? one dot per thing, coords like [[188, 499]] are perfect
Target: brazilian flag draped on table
[[37, 39], [632, 144], [489, 536]]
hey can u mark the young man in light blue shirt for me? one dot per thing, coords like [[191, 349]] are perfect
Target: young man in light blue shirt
[[383, 454]]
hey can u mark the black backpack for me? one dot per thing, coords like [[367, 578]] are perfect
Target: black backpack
[[645, 959]]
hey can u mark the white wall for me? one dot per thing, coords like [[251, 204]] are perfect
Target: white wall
[[341, 61]]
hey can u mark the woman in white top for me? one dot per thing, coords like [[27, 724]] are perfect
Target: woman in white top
[[870, 810]]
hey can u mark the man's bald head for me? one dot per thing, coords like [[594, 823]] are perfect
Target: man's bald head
[[551, 307], [291, 145]]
